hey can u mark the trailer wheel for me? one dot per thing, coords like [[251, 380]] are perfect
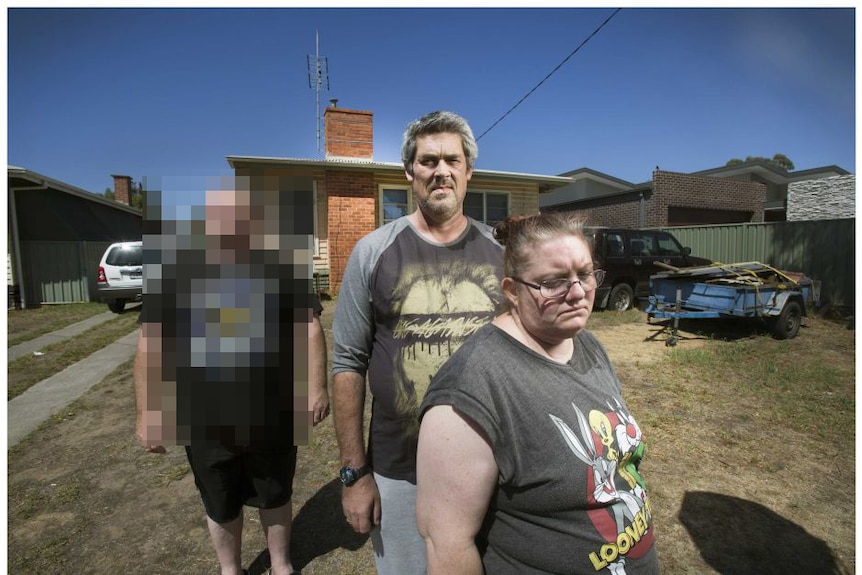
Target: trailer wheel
[[786, 326], [621, 298]]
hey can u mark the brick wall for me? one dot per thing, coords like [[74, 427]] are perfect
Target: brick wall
[[622, 215], [672, 189], [348, 133], [122, 189], [613, 214], [351, 209]]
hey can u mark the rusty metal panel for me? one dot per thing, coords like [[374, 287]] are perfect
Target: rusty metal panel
[[824, 250]]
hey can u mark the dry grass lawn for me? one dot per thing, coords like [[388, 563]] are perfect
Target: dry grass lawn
[[750, 467]]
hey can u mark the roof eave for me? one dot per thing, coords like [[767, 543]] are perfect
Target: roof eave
[[546, 183], [44, 182]]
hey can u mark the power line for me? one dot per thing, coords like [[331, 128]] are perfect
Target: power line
[[560, 65]]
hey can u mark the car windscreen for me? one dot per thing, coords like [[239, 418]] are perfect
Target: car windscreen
[[130, 256]]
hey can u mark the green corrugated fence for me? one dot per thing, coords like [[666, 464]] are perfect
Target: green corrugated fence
[[823, 250]]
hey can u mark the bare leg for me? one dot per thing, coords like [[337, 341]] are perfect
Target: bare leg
[[227, 540], [276, 526]]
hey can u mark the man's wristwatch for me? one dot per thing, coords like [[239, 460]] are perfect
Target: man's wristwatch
[[349, 476]]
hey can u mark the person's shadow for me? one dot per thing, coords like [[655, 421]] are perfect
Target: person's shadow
[[318, 528], [739, 537]]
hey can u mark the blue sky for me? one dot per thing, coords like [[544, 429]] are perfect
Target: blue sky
[[171, 92]]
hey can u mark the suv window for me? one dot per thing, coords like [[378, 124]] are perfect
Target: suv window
[[642, 244], [132, 256], [614, 244], [668, 246]]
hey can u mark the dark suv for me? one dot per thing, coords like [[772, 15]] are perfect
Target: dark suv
[[628, 256]]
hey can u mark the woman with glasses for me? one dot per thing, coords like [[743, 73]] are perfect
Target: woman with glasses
[[528, 456]]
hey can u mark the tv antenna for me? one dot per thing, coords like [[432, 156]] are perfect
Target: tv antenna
[[318, 77]]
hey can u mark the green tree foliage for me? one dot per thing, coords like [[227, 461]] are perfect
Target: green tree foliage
[[137, 195], [778, 160]]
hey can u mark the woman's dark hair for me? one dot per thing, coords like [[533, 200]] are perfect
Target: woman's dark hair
[[519, 234]]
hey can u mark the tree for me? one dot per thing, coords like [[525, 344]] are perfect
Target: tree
[[778, 160], [109, 193], [136, 195]]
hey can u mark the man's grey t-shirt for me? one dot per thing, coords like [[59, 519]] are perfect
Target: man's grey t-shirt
[[405, 305]]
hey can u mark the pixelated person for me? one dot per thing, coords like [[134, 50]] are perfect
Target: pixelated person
[[413, 291], [231, 358]]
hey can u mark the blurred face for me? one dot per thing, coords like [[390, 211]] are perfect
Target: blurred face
[[228, 224], [227, 213], [440, 175], [553, 319]]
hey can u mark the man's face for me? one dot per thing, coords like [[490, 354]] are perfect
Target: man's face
[[440, 175], [227, 213], [228, 224]]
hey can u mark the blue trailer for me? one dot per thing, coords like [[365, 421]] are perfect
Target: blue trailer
[[743, 290]]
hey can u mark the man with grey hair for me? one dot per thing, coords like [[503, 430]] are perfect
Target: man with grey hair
[[413, 291]]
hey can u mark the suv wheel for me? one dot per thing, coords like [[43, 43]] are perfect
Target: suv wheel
[[117, 305], [621, 297]]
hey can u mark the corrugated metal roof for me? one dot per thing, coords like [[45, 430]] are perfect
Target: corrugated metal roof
[[550, 182], [36, 180]]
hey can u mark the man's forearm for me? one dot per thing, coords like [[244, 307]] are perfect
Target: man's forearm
[[348, 393], [317, 359], [147, 380], [147, 369]]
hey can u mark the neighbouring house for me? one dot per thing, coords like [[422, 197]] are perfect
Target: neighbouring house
[[56, 235], [831, 198], [353, 194], [747, 192]]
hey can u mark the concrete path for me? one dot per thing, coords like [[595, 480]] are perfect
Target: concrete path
[[28, 410], [43, 341]]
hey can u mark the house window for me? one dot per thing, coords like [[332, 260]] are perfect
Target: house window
[[488, 207], [394, 203]]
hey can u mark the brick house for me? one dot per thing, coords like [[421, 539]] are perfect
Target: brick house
[[748, 192], [353, 194]]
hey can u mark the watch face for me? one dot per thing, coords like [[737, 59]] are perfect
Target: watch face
[[346, 475]]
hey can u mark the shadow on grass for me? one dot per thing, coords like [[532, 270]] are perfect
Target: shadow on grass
[[318, 528], [722, 329], [740, 537]]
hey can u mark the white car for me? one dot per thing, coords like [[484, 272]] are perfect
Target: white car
[[120, 277]]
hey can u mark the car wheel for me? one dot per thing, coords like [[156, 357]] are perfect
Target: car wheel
[[621, 298], [786, 326], [117, 305]]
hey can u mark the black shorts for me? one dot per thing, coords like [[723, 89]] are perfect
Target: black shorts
[[230, 477]]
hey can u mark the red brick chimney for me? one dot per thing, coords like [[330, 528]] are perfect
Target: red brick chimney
[[123, 189], [348, 133]]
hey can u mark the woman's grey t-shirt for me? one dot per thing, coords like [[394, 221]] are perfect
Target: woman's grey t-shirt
[[569, 497]]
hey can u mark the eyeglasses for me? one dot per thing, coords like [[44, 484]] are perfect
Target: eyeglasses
[[559, 287]]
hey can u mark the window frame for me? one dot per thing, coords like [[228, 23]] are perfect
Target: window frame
[[411, 207], [380, 204], [485, 193]]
